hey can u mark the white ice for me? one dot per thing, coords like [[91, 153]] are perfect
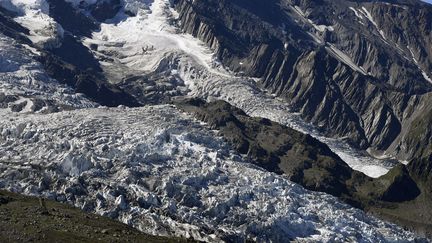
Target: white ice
[[164, 173], [22, 76]]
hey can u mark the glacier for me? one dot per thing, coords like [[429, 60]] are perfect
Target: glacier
[[161, 171], [154, 167], [150, 42], [190, 61]]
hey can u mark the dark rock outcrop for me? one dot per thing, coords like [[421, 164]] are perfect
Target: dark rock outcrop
[[71, 19], [10, 28], [403, 196], [87, 82], [277, 148], [104, 10]]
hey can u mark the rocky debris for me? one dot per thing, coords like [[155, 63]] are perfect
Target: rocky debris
[[153, 88], [31, 104], [22, 219]]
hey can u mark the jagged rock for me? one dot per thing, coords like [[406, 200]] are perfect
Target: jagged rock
[[357, 69], [104, 10], [71, 19], [10, 28], [89, 83]]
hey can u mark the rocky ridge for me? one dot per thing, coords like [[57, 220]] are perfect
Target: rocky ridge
[[358, 70]]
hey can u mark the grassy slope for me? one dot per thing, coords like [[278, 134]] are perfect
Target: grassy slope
[[22, 219]]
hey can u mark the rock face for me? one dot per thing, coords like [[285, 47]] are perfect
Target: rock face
[[358, 70], [87, 82]]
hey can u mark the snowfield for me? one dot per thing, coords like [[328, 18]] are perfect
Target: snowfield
[[164, 173]]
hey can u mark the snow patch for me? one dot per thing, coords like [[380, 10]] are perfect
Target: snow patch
[[356, 13], [345, 58], [425, 75], [368, 15]]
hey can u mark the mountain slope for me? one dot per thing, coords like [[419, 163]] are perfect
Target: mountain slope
[[357, 70]]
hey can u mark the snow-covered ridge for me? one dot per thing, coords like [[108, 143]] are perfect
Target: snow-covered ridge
[[160, 171], [23, 77], [303, 15], [34, 15]]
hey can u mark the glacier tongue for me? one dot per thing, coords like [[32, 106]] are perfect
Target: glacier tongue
[[151, 43], [154, 167], [164, 173]]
